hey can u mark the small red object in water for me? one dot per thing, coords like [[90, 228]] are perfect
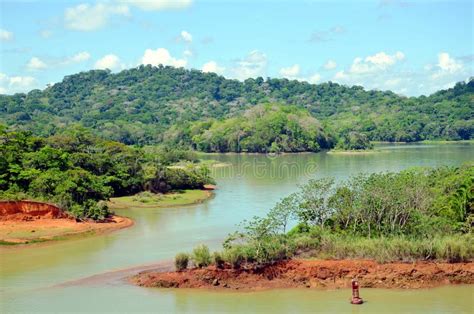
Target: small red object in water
[[355, 293]]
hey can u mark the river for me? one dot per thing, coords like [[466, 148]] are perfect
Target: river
[[33, 279]]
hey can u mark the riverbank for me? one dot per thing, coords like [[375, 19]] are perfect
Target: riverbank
[[35, 230], [321, 274], [171, 199], [355, 152]]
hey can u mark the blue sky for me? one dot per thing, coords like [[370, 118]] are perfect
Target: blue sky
[[410, 47]]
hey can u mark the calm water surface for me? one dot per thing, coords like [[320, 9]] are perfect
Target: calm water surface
[[30, 279]]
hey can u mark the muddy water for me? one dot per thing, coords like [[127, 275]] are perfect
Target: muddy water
[[32, 280]]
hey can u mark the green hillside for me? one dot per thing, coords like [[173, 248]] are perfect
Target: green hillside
[[138, 105]]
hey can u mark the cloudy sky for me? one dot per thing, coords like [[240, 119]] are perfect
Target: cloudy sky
[[410, 47]]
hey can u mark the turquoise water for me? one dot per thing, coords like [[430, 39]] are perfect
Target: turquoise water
[[29, 278]]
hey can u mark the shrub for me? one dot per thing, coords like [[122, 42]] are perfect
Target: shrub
[[181, 261], [201, 256], [304, 243], [273, 251], [235, 256], [218, 260]]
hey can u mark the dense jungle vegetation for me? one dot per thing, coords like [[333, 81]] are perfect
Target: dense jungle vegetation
[[77, 170], [138, 105], [417, 214], [260, 129]]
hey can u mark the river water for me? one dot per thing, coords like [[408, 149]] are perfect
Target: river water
[[47, 278]]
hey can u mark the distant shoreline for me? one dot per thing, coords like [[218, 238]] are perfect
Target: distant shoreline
[[334, 151]]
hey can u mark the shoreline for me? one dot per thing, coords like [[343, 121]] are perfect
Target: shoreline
[[337, 151], [127, 202], [355, 152], [52, 230], [317, 274]]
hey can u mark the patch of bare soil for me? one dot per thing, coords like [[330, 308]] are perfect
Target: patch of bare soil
[[29, 221], [330, 274]]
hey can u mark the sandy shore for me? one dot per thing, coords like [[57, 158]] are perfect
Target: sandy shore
[[47, 229]]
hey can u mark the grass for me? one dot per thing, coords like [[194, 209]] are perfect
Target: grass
[[151, 200], [201, 256], [447, 248], [452, 248]]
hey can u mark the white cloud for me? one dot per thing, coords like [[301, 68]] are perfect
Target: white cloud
[[315, 78], [293, 73], [253, 65], [5, 35], [79, 57], [393, 82], [378, 62], [86, 17], [16, 84], [340, 75], [290, 72], [35, 64], [188, 53], [186, 37], [382, 59], [330, 65], [378, 71], [384, 71], [212, 66], [448, 64], [446, 67], [161, 56], [157, 5], [109, 61]]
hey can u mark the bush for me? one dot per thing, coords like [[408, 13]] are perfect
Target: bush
[[201, 256], [235, 256], [218, 260], [189, 177], [181, 261], [274, 250]]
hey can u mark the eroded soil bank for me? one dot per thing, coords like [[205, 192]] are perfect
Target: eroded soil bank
[[330, 274], [23, 222]]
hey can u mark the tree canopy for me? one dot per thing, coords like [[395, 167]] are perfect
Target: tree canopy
[[76, 170], [137, 106]]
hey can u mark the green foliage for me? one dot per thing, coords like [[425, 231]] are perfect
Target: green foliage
[[452, 248], [148, 105], [354, 141], [218, 259], [235, 256], [411, 215], [201, 256], [181, 261], [263, 128], [76, 170], [174, 178]]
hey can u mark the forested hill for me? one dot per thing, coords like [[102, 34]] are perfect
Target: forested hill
[[137, 105]]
